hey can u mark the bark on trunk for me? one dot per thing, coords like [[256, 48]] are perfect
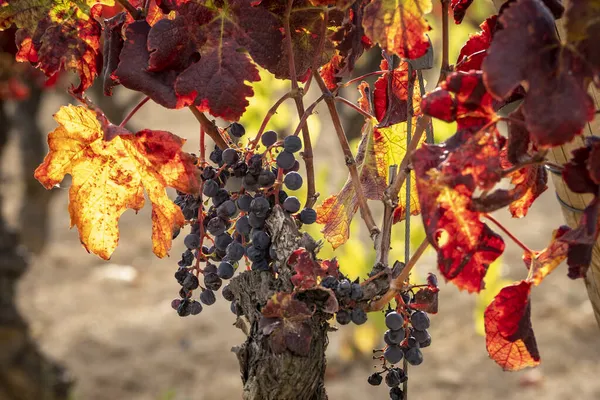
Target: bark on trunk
[[266, 375], [25, 374]]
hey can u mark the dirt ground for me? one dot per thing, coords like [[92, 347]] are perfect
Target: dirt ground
[[112, 325]]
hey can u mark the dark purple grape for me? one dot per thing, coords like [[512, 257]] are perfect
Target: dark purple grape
[[294, 168], [237, 130], [266, 178], [329, 282], [227, 293], [255, 254], [261, 239], [212, 281], [222, 241], [221, 197], [216, 156], [357, 291], [195, 307], [250, 182], [240, 169], [211, 187], [242, 225], [343, 317], [359, 316], [181, 274], [396, 394], [227, 209], [293, 180], [391, 337], [308, 216], [285, 160], [260, 207], [235, 251], [210, 268], [243, 202], [187, 258], [420, 320], [394, 321], [230, 156], [256, 221], [208, 173], [225, 270], [184, 308], [292, 144], [432, 280], [235, 308], [344, 288], [190, 282], [184, 293], [375, 379], [412, 342], [191, 241], [414, 356], [291, 204], [393, 354], [421, 336], [425, 343], [216, 226], [268, 138], [392, 378], [175, 304], [208, 297]]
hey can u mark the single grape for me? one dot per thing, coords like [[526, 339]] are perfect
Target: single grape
[[420, 320], [175, 304], [268, 138], [184, 293], [187, 258], [412, 342], [243, 202], [261, 239], [240, 169], [235, 308], [209, 173], [212, 281], [216, 156], [421, 336], [195, 307], [414, 356], [242, 225], [260, 265], [292, 144], [184, 308], [394, 321], [294, 168], [432, 280], [237, 130], [329, 282], [223, 240], [256, 221], [343, 317], [356, 292], [308, 216], [216, 226], [266, 178], [227, 293], [375, 379], [181, 274], [255, 254], [392, 378], [227, 209], [291, 204], [235, 251], [396, 394], [190, 282], [225, 270], [293, 181], [285, 159], [359, 316], [221, 197], [191, 241], [230, 156], [250, 182], [344, 288], [393, 337], [393, 354], [425, 343], [260, 207], [211, 187], [208, 297]]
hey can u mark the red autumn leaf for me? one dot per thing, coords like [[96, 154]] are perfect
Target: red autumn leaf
[[527, 49], [542, 263], [459, 7], [284, 320], [399, 26], [474, 51], [509, 336], [581, 173], [308, 270], [329, 72], [72, 44], [426, 299]]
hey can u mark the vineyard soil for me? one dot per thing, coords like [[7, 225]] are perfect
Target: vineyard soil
[[121, 340]]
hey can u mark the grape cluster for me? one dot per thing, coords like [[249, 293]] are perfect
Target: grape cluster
[[238, 194], [348, 294]]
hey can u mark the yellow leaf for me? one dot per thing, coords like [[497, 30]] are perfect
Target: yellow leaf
[[109, 177]]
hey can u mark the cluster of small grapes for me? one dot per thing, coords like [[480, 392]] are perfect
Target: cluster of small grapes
[[243, 186], [406, 335], [348, 294]]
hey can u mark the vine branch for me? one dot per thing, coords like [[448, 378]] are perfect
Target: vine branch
[[210, 128], [365, 211], [272, 111], [134, 12], [445, 67]]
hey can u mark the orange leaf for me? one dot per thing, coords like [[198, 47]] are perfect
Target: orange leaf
[[110, 168], [509, 336], [545, 261], [399, 26]]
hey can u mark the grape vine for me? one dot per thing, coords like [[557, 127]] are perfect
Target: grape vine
[[241, 224]]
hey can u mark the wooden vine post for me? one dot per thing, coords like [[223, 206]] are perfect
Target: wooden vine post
[[571, 203]]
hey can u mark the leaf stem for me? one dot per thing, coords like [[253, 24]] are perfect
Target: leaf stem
[[359, 78], [135, 110], [354, 107], [202, 146], [307, 114], [307, 153], [509, 233], [134, 12], [396, 285], [365, 211], [469, 57], [209, 127], [445, 67], [272, 111]]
